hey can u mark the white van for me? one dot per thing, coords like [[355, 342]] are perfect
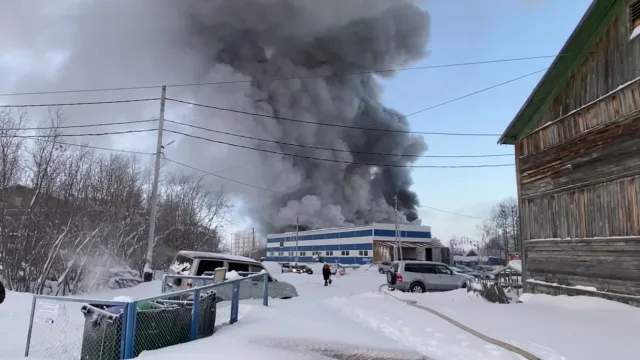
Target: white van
[[195, 263]]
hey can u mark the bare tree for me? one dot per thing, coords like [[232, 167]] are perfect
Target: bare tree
[[74, 220]]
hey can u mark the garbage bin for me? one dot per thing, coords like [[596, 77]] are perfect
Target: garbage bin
[[158, 324], [102, 333], [207, 314], [161, 326]]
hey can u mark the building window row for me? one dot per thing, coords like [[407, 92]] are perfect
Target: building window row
[[319, 253]]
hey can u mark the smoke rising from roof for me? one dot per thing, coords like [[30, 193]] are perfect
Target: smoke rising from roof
[[141, 42]]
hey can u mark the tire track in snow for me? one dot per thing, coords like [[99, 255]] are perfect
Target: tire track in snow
[[413, 328], [523, 353]]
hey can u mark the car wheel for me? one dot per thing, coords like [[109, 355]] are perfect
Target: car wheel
[[417, 288]]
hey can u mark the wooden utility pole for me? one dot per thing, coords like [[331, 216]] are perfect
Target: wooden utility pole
[[396, 251], [297, 222], [148, 269]]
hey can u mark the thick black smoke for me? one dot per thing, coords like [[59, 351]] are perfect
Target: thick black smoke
[[119, 43], [266, 39]]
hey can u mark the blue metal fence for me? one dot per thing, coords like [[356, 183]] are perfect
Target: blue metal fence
[[121, 329]]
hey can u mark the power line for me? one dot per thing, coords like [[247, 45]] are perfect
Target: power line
[[333, 149], [475, 93], [84, 134], [325, 124], [78, 145], [451, 213], [78, 103], [222, 177], [78, 126], [142, 87], [334, 160]]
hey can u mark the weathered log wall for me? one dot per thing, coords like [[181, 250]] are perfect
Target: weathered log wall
[[608, 264], [579, 174], [613, 61]]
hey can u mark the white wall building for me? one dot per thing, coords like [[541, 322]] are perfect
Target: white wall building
[[355, 245]]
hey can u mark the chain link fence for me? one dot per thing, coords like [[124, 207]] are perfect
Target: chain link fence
[[87, 329], [73, 328]]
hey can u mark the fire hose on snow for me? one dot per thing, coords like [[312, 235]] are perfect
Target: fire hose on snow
[[525, 354]]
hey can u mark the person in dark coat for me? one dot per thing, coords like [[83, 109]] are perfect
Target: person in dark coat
[[326, 274], [3, 293]]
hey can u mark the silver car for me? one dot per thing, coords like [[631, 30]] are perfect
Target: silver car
[[195, 263], [423, 276]]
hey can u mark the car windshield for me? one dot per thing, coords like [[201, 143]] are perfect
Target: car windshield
[[456, 269], [464, 268]]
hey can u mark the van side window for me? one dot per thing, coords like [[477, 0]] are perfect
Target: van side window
[[208, 265], [181, 263], [239, 267], [255, 268]]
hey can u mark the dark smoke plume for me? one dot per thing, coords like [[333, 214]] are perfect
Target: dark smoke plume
[[263, 39], [112, 43]]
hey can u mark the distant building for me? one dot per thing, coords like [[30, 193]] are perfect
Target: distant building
[[243, 243], [576, 143], [355, 245]]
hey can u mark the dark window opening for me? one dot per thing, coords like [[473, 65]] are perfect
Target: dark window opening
[[208, 265], [238, 267]]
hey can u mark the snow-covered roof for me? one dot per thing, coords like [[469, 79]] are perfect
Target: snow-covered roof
[[202, 254]]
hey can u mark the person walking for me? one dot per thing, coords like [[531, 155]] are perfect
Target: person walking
[[3, 293], [326, 274]]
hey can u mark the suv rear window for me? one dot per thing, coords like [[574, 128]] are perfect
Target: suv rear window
[[420, 268], [181, 264], [208, 265]]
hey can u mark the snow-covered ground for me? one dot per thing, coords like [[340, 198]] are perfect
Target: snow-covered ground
[[352, 316]]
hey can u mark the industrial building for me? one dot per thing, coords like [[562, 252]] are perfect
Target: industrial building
[[355, 245]]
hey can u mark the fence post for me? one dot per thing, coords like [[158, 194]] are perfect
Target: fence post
[[235, 302], [123, 335], [265, 294], [195, 315], [33, 311], [130, 330], [163, 286]]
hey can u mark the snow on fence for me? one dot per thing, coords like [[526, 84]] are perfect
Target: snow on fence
[[79, 328]]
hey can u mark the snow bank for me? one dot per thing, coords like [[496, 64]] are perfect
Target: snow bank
[[576, 302], [516, 265]]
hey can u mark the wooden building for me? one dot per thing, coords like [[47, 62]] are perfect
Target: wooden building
[[577, 146]]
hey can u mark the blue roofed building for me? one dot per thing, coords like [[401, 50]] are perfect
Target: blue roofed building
[[355, 245]]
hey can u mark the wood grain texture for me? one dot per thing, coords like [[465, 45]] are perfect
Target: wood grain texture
[[613, 61], [608, 264]]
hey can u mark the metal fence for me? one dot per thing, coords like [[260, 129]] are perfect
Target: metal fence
[[76, 328]]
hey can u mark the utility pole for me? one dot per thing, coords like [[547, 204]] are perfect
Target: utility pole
[[398, 237], [148, 270], [297, 221], [396, 247]]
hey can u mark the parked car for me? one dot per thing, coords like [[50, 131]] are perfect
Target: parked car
[[423, 276], [301, 269], [194, 263], [466, 270], [384, 266], [485, 271], [285, 267]]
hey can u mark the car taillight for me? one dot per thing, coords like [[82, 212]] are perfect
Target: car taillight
[[189, 284], [398, 277]]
